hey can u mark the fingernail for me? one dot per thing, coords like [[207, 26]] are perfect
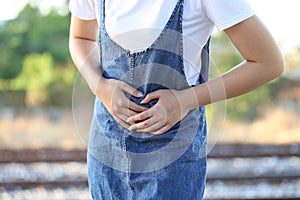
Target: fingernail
[[130, 128], [128, 120], [140, 94], [143, 101]]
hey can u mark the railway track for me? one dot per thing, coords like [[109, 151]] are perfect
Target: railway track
[[218, 152], [84, 183], [233, 159]]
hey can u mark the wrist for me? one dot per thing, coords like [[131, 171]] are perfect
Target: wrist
[[188, 99], [99, 87]]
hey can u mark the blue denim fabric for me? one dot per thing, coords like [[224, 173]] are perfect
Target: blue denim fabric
[[124, 164]]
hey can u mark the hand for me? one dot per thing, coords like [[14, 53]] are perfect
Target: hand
[[113, 95], [168, 110]]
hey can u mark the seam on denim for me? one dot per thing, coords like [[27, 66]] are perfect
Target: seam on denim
[[127, 170], [131, 70]]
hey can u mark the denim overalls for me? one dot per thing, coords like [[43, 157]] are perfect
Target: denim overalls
[[124, 164]]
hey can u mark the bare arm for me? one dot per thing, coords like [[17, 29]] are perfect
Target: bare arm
[[85, 54], [263, 63], [84, 50]]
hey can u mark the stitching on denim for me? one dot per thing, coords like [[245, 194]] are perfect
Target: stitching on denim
[[124, 148], [131, 70]]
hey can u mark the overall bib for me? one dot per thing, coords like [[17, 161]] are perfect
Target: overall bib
[[124, 164]]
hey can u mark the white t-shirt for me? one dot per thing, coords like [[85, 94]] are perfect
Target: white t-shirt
[[135, 24]]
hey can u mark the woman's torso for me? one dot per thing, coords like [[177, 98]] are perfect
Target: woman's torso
[[136, 24]]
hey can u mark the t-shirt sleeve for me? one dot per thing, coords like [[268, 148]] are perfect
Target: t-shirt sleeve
[[227, 13], [83, 9]]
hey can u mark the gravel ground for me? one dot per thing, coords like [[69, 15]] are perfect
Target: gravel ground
[[268, 166], [215, 190], [253, 190], [42, 171], [42, 193]]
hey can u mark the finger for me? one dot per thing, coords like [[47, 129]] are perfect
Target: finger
[[128, 108], [140, 117], [146, 124], [123, 118], [157, 110], [151, 129], [121, 122], [124, 102], [130, 90], [151, 96], [126, 112], [137, 108], [162, 130], [131, 113]]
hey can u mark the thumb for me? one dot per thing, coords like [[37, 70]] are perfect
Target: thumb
[[151, 96], [130, 90]]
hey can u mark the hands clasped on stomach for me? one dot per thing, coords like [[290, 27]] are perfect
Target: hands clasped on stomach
[[156, 120]]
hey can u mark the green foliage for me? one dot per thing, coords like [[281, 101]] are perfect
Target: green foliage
[[37, 72], [31, 32], [40, 79], [36, 75], [246, 107], [249, 106], [10, 63], [35, 57], [61, 88]]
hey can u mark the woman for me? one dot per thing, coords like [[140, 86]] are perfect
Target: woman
[[149, 75]]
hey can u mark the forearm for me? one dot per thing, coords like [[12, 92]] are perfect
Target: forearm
[[84, 50], [242, 79], [263, 63], [85, 55]]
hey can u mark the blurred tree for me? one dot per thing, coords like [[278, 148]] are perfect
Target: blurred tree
[[35, 77], [31, 32], [34, 57], [246, 107], [61, 88], [10, 63], [33, 48]]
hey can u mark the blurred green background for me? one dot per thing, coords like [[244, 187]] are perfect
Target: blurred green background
[[37, 77]]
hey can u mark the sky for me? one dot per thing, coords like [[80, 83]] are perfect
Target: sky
[[280, 16], [282, 19], [10, 9]]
